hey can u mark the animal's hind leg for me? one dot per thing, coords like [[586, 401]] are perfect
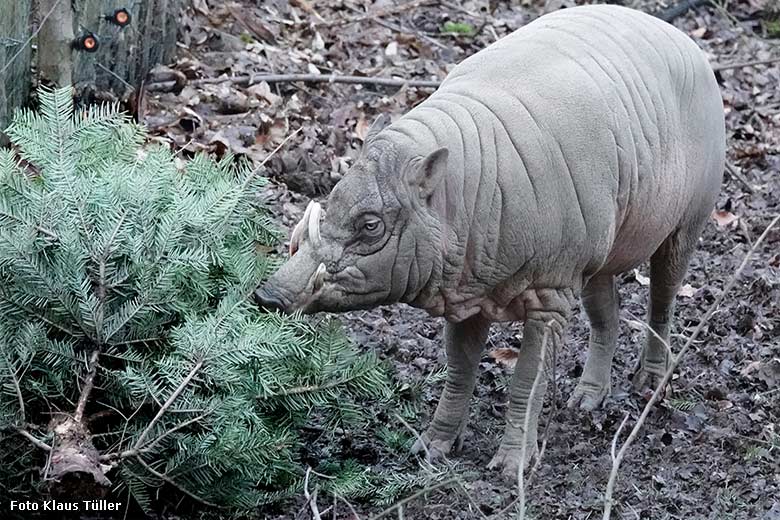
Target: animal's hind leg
[[600, 300], [668, 266]]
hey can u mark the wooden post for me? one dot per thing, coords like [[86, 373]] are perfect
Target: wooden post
[[14, 75], [54, 42], [123, 57], [125, 54]]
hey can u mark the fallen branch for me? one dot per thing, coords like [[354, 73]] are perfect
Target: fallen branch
[[679, 9], [383, 12], [527, 422], [447, 462], [408, 499], [735, 173], [311, 498], [253, 79], [730, 66], [674, 361]]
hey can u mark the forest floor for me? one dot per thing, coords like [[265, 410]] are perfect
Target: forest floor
[[711, 450]]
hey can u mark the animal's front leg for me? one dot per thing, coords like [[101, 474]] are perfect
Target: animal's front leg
[[535, 355], [464, 342]]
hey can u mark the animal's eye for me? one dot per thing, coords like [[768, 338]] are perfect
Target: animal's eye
[[371, 228], [371, 225]]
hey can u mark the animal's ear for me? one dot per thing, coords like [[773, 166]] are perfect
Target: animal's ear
[[379, 124], [425, 178]]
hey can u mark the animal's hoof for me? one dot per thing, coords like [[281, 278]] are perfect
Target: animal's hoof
[[588, 396], [432, 447], [647, 377], [508, 460]]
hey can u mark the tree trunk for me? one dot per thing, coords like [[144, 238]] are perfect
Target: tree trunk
[[125, 54], [55, 39], [75, 470], [14, 75]]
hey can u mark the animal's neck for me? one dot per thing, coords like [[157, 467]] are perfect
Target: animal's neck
[[407, 141]]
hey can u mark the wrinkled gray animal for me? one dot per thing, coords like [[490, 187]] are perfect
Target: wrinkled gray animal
[[562, 155]]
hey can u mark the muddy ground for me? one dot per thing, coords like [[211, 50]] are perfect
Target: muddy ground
[[712, 449]]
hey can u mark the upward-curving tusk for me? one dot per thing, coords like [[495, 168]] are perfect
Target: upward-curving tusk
[[297, 234], [295, 238], [314, 224], [319, 277]]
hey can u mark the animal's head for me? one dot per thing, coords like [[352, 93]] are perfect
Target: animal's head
[[378, 243]]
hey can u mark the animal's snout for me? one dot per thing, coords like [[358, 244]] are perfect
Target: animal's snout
[[268, 301]]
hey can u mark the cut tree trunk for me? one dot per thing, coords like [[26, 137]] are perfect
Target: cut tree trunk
[[54, 42], [14, 58], [75, 469], [125, 54]]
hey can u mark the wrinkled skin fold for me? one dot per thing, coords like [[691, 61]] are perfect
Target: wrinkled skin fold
[[576, 148]]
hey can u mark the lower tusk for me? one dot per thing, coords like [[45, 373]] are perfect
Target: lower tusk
[[297, 235], [314, 224], [295, 238], [319, 277]]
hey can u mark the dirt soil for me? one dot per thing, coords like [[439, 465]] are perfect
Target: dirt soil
[[711, 450]]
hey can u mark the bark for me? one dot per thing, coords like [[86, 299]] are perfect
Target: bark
[[54, 42], [14, 58], [126, 54], [75, 469]]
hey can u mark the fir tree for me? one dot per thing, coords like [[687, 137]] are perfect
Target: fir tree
[[130, 357]]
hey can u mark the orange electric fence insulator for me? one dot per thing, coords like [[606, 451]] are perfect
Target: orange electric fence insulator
[[87, 42], [120, 17]]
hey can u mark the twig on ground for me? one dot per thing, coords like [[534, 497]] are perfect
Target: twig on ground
[[403, 30], [735, 173], [637, 322], [730, 66], [311, 498], [674, 361], [679, 9], [553, 413], [447, 462], [383, 12], [268, 157], [253, 79], [410, 498], [613, 450], [527, 422], [346, 502], [31, 38]]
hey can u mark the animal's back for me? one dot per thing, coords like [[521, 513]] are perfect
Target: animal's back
[[609, 120]]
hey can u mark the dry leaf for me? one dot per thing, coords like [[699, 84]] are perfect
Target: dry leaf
[[687, 291], [699, 33], [750, 368], [201, 6], [361, 127], [643, 280], [263, 91], [723, 218], [318, 43], [505, 356], [392, 49]]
